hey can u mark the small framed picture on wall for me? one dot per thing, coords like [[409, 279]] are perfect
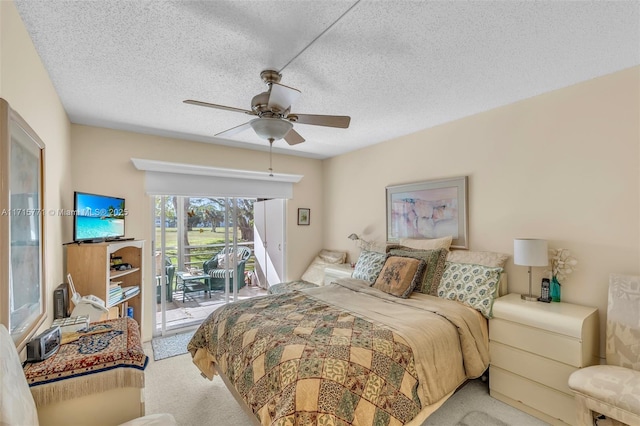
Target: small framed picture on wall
[[304, 216]]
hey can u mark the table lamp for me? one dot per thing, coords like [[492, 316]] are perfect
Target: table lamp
[[530, 252], [363, 244]]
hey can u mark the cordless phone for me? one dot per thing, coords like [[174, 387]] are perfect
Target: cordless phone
[[544, 291]]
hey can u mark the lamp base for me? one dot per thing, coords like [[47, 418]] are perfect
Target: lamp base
[[529, 297]]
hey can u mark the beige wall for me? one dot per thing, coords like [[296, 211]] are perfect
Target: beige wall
[[25, 84], [563, 166], [101, 163]]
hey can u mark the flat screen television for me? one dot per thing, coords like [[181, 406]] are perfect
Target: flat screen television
[[97, 217]]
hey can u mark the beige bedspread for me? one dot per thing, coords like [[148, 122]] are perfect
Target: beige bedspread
[[342, 354]]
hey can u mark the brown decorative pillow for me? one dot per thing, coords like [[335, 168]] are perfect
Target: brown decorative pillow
[[400, 275], [435, 261]]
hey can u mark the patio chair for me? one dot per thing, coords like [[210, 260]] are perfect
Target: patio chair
[[169, 271], [216, 272]]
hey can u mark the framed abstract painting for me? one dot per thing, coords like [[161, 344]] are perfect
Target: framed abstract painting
[[430, 209]]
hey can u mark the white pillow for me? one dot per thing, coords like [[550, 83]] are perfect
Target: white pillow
[[315, 271], [485, 258], [225, 260], [427, 244], [333, 256]]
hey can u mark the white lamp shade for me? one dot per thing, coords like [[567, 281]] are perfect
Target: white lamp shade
[[530, 252], [271, 128]]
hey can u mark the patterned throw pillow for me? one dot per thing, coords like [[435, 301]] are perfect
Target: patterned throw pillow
[[369, 265], [400, 275], [434, 267], [473, 285]]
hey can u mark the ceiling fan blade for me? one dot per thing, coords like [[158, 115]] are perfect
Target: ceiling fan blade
[[234, 130], [293, 138], [341, 121], [227, 108], [282, 97]]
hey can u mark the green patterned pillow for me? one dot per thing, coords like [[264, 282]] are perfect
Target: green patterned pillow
[[369, 265], [434, 260], [473, 285]]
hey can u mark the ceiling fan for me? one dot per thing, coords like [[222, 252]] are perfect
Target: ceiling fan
[[273, 110]]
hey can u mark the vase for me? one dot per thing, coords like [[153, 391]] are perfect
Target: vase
[[554, 290]]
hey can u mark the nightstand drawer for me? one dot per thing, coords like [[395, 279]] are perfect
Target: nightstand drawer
[[549, 401], [544, 370], [547, 344]]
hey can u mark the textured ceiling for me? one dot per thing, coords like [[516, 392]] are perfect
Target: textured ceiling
[[395, 67]]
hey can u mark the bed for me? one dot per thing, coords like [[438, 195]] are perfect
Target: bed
[[345, 354]]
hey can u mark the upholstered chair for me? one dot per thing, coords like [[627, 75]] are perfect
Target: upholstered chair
[[217, 271], [17, 407], [614, 389]]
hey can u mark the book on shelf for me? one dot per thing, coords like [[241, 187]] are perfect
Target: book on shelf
[[115, 295], [130, 290]]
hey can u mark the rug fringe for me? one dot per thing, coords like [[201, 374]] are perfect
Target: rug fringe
[[86, 385]]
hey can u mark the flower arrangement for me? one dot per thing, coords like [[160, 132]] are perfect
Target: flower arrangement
[[562, 264]]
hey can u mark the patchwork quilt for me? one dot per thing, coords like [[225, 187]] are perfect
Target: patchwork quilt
[[342, 354], [290, 286]]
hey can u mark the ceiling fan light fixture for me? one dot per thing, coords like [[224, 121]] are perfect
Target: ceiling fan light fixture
[[271, 128]]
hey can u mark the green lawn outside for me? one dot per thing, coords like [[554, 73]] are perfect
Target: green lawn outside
[[198, 237]]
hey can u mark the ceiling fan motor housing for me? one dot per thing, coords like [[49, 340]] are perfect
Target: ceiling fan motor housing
[[260, 103]]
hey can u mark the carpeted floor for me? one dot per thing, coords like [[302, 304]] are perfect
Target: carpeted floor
[[169, 346], [480, 418]]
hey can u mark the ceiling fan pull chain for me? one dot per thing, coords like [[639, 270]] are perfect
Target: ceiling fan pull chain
[[270, 149]]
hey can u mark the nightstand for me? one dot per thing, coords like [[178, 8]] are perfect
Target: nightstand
[[339, 270], [534, 347]]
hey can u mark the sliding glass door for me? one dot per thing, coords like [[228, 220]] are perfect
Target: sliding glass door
[[204, 257]]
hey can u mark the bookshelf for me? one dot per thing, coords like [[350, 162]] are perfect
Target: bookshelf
[[90, 266]]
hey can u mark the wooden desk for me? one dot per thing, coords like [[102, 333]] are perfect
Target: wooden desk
[[96, 380]]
